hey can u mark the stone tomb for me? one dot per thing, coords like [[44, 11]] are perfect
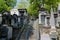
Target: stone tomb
[[21, 16], [48, 24], [6, 32], [6, 18]]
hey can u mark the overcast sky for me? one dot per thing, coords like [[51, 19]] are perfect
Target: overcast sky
[[17, 3]]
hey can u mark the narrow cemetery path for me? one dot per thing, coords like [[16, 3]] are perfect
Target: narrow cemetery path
[[26, 33], [21, 34], [33, 28], [35, 35]]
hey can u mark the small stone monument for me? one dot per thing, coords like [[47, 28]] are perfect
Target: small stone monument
[[4, 32]]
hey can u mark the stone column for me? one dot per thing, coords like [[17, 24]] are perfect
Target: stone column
[[39, 18], [52, 23], [45, 21]]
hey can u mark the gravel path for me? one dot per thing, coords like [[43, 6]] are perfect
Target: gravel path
[[35, 35]]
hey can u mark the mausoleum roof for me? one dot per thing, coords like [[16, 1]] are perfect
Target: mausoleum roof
[[23, 9], [42, 9]]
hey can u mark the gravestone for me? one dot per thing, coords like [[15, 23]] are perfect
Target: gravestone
[[8, 30], [6, 18], [4, 32]]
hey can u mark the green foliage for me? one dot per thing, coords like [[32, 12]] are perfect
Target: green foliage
[[36, 4], [54, 4], [32, 11], [6, 5], [33, 8]]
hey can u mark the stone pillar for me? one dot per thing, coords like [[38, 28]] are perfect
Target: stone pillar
[[39, 18], [52, 23], [45, 21]]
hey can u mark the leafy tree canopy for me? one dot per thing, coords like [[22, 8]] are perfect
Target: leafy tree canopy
[[33, 7], [6, 5], [36, 4]]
